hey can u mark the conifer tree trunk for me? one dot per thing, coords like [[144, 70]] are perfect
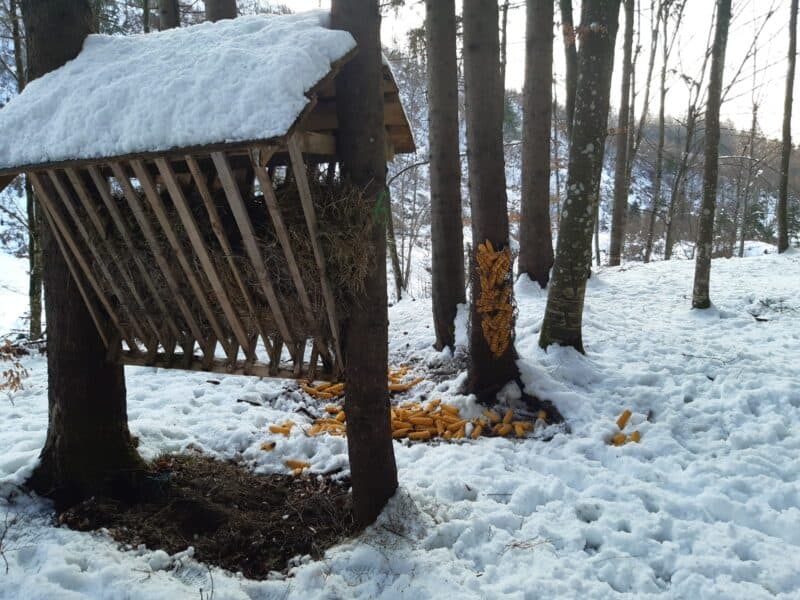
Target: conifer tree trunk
[[564, 311], [220, 9], [169, 15], [489, 370], [705, 230], [447, 237], [361, 147], [786, 151], [620, 181], [571, 60], [535, 238], [88, 448]]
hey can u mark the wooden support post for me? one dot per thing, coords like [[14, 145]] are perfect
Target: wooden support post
[[88, 205], [248, 236], [101, 184], [196, 239], [66, 236], [298, 167], [163, 264], [168, 228], [72, 269], [283, 237]]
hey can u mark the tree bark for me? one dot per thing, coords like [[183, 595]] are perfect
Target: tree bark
[[220, 9], [88, 449], [535, 238], [751, 167], [146, 16], [620, 182], [391, 240], [503, 44], [786, 151], [571, 60], [362, 150], [447, 235], [488, 372], [564, 311], [169, 14], [705, 230]]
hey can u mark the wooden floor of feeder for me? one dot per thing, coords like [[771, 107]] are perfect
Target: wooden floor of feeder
[[80, 206]]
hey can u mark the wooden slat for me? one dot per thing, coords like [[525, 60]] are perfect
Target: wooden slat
[[318, 143], [83, 196], [283, 237], [167, 228], [248, 236], [299, 169], [101, 185], [196, 239], [222, 238], [66, 234], [72, 270], [163, 264]]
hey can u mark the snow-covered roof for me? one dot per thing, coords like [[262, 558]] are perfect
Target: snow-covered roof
[[234, 80]]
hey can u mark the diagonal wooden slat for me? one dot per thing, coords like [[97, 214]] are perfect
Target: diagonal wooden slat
[[147, 229], [66, 235], [101, 185], [248, 236], [196, 239], [283, 237], [72, 269], [150, 192], [299, 170]]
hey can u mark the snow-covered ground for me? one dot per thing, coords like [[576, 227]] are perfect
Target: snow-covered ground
[[706, 506]]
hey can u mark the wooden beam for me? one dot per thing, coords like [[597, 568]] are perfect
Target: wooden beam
[[318, 143], [147, 229], [248, 237], [222, 238], [299, 169], [196, 239], [5, 180], [286, 245], [73, 270], [168, 228], [101, 184]]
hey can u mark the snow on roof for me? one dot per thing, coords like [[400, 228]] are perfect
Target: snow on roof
[[234, 80]]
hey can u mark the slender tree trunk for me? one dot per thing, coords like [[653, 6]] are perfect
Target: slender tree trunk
[[751, 167], [571, 60], [564, 311], [620, 184], [503, 44], [217, 10], [535, 238], [705, 232], [88, 449], [146, 16], [362, 151], [786, 152], [397, 270], [169, 15], [447, 233], [488, 372]]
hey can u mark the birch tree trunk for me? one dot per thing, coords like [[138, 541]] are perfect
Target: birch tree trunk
[[447, 237], [564, 311], [786, 152], [705, 230], [535, 238]]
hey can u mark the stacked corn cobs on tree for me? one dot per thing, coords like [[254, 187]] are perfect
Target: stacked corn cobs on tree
[[416, 422], [494, 302]]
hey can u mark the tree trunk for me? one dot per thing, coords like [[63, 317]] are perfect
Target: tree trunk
[[220, 9], [397, 270], [146, 16], [751, 168], [169, 14], [535, 238], [571, 60], [620, 182], [491, 365], [447, 235], [564, 311], [705, 230], [362, 150], [503, 44], [786, 151], [88, 448]]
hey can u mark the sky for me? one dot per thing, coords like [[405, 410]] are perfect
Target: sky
[[748, 17]]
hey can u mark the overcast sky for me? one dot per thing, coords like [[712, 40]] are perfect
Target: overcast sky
[[748, 16]]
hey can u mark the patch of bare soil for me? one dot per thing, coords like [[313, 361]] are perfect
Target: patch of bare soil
[[234, 518]]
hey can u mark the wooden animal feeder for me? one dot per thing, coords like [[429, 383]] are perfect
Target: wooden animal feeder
[[189, 179]]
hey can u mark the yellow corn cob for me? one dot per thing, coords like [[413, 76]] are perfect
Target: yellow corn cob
[[268, 446], [425, 421], [402, 425], [296, 464], [623, 419], [419, 435], [618, 439], [452, 428], [504, 430], [332, 410], [635, 437], [340, 416], [441, 427], [508, 417], [401, 433], [476, 432], [336, 389], [280, 429], [492, 416], [519, 430], [323, 386], [452, 410]]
